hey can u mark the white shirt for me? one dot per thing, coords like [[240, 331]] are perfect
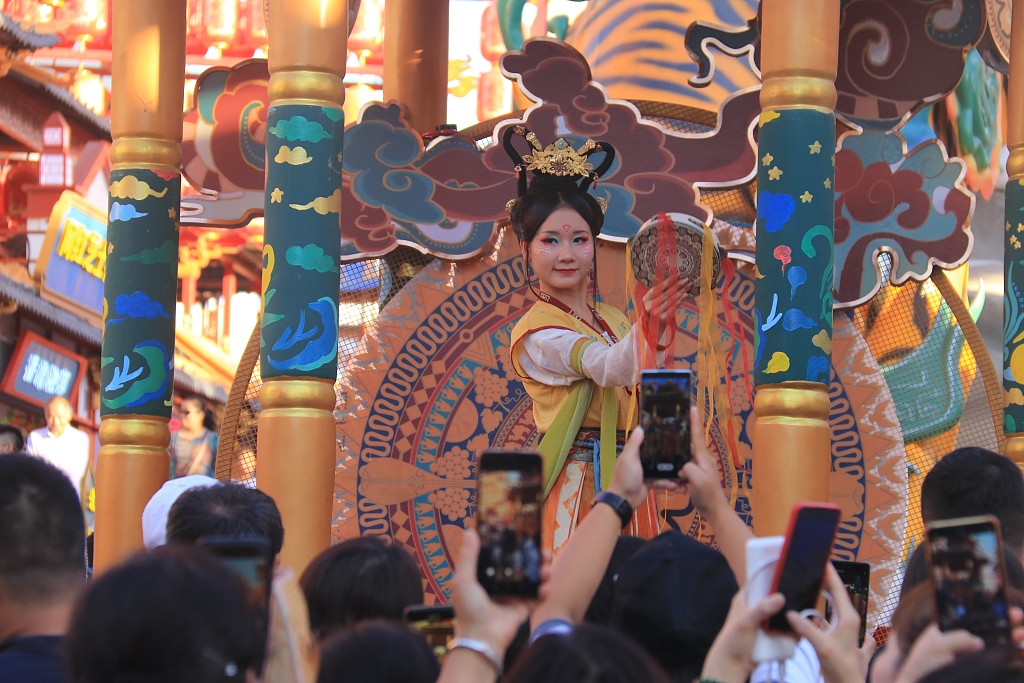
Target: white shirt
[[802, 667], [68, 452]]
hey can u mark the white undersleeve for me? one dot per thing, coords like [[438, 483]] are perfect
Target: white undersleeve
[[547, 358]]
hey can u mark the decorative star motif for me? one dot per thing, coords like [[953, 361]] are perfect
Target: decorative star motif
[[806, 197], [815, 148], [774, 173], [767, 159], [828, 183], [1020, 227], [276, 196], [170, 213]]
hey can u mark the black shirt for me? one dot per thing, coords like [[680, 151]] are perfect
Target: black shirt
[[32, 659]]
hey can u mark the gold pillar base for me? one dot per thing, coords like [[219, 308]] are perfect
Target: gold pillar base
[[296, 455], [1015, 448], [792, 452], [132, 465]]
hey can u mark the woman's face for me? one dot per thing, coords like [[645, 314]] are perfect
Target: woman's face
[[192, 416], [562, 251]]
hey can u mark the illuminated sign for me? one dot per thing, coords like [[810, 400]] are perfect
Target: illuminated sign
[[40, 370], [73, 258]]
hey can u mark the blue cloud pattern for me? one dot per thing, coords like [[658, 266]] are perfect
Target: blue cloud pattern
[[123, 212], [300, 128], [774, 209], [137, 305]]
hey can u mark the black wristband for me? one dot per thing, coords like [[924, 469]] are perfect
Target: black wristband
[[621, 506]]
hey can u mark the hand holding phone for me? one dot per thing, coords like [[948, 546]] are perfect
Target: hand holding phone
[[966, 559], [665, 418], [509, 492], [801, 567]]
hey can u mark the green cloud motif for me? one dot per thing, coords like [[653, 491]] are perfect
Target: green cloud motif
[[311, 257], [300, 128], [165, 253], [334, 114]]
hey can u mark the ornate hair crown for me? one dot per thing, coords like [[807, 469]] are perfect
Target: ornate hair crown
[[558, 159]]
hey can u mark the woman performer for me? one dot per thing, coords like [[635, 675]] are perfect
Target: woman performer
[[577, 361]]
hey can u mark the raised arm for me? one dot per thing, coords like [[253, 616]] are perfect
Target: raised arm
[[581, 565]]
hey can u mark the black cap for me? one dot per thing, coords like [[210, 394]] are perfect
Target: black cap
[[672, 597]]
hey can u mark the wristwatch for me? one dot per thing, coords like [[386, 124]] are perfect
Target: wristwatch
[[621, 506]]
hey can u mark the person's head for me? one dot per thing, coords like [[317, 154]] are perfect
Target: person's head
[[42, 534], [378, 652], [58, 414], [172, 614], [11, 439], [154, 515], [195, 416], [587, 653], [672, 598], [601, 605], [974, 481], [225, 510], [360, 579], [993, 665]]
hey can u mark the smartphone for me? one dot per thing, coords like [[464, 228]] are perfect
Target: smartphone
[[801, 567], [435, 622], [856, 576], [966, 559], [665, 418], [508, 499], [251, 558]]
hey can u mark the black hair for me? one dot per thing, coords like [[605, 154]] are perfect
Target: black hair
[[974, 481], [600, 609], [360, 579], [992, 665], [13, 436], [546, 194], [225, 510], [587, 653], [208, 422], [174, 614], [378, 652], [42, 531]]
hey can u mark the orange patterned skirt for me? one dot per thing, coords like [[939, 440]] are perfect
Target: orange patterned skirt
[[573, 495]]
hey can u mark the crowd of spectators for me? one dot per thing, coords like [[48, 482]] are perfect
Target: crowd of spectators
[[612, 608]]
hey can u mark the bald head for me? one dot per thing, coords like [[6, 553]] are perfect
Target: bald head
[[58, 415]]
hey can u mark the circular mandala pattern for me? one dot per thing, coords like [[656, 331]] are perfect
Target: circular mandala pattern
[[430, 387]]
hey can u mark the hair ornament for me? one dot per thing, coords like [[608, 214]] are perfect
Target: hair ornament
[[559, 159]]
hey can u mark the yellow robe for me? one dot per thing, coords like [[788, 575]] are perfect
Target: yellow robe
[[573, 493]]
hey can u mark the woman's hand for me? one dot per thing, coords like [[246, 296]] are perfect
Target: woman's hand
[[700, 476], [842, 659], [934, 650], [670, 293], [729, 661]]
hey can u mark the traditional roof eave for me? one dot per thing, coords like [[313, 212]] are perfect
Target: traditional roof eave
[[17, 39]]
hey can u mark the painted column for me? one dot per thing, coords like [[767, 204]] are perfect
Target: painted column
[[416, 59], [141, 270], [795, 174], [1013, 252], [302, 238]]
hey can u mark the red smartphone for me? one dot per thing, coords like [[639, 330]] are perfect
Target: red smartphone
[[508, 499], [801, 567], [966, 559]]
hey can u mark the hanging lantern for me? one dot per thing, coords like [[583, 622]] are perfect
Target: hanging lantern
[[219, 22], [253, 24], [492, 46], [368, 32]]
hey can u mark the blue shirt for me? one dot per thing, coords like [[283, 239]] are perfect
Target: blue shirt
[[33, 659]]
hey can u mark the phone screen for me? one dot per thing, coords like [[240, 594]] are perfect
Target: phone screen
[[437, 624], [801, 567], [967, 566], [509, 494], [856, 576], [665, 418], [251, 559]]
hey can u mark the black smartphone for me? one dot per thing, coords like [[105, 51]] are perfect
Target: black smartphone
[[435, 622], [251, 558], [856, 576], [508, 499], [966, 559], [665, 418], [801, 567]]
